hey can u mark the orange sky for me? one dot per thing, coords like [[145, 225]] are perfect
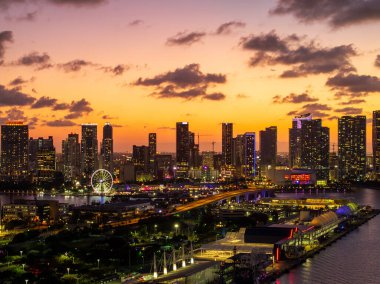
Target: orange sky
[[149, 39]]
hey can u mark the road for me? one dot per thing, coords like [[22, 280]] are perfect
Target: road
[[189, 206]]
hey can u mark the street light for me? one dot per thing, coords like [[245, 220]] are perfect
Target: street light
[[21, 253], [26, 281], [23, 266], [98, 262], [176, 226]]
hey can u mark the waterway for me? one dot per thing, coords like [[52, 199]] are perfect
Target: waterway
[[353, 259], [77, 200]]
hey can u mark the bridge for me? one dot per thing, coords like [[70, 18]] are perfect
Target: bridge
[[264, 192]]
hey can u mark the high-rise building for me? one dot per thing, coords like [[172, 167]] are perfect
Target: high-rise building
[[376, 143], [182, 149], [268, 146], [71, 157], [89, 150], [309, 146], [194, 158], [249, 162], [295, 142], [227, 134], [163, 168], [352, 147], [152, 150], [107, 148], [140, 158], [14, 151], [238, 151], [42, 159]]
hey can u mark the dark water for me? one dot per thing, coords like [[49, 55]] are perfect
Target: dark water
[[353, 259], [6, 198]]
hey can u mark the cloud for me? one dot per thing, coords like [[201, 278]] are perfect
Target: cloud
[[13, 97], [305, 57], [352, 102], [349, 110], [294, 98], [16, 114], [214, 97], [316, 109], [61, 106], [190, 75], [343, 95], [337, 13], [75, 65], [106, 116], [136, 23], [377, 61], [60, 123], [17, 81], [29, 17], [354, 83], [166, 128], [227, 28], [78, 109], [41, 61], [5, 36], [116, 70], [44, 102], [242, 96], [185, 38], [187, 83]]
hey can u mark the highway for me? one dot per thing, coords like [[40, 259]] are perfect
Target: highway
[[188, 206]]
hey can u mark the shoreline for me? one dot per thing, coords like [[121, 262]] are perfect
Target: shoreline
[[292, 264]]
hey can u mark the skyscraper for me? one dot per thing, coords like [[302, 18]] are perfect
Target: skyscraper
[[249, 163], [152, 151], [309, 145], [194, 158], [14, 151], [227, 134], [107, 148], [352, 147], [376, 143], [182, 149], [268, 146], [71, 157], [42, 159], [89, 150]]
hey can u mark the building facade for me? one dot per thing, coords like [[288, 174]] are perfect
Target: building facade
[[227, 136], [268, 147], [352, 147], [376, 143], [14, 151], [89, 150], [107, 148], [182, 149], [71, 157], [42, 159]]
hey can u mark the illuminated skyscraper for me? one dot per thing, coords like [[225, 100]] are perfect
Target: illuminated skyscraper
[[42, 159], [352, 147], [249, 162], [268, 146], [89, 150], [227, 134], [14, 151], [182, 149], [107, 148], [194, 158], [71, 157], [152, 151], [376, 143], [309, 145]]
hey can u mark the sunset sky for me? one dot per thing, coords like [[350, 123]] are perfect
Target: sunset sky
[[144, 65]]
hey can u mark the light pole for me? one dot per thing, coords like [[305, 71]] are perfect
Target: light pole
[[21, 253], [176, 226], [98, 262], [23, 266], [26, 281], [68, 270]]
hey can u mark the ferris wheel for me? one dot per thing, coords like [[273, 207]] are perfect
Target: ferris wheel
[[101, 181]]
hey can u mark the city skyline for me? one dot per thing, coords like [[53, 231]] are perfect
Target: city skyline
[[146, 65]]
